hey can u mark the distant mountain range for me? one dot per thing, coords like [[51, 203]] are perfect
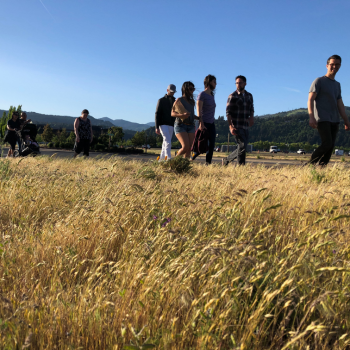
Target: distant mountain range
[[128, 125], [60, 121]]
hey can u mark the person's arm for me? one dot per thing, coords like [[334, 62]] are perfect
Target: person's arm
[[341, 109], [76, 126], [310, 107], [199, 112], [232, 128], [9, 128], [92, 134], [157, 115], [251, 117], [175, 114]]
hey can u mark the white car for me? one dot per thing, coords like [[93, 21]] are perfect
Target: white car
[[146, 146], [301, 151], [273, 149]]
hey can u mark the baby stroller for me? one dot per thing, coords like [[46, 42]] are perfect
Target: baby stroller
[[28, 144]]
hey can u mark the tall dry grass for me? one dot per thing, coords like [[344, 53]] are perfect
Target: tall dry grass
[[110, 254]]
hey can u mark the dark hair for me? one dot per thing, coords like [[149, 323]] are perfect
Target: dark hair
[[15, 113], [334, 57], [241, 77], [85, 111], [185, 91], [207, 80]]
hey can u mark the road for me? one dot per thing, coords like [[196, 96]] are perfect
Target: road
[[147, 157]]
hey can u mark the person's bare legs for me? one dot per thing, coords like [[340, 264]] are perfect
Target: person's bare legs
[[184, 139], [10, 152], [191, 138]]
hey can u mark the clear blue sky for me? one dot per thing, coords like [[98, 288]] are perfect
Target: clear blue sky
[[116, 57]]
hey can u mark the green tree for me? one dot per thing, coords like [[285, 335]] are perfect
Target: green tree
[[103, 139], [117, 134], [3, 123], [71, 138], [6, 117], [47, 134], [39, 138], [62, 135], [139, 138]]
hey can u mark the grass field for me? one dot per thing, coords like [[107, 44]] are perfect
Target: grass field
[[109, 254], [268, 156]]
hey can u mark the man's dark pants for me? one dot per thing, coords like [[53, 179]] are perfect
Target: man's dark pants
[[328, 133], [211, 142], [240, 152]]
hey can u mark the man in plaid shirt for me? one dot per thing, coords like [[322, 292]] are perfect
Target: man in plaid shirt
[[240, 116]]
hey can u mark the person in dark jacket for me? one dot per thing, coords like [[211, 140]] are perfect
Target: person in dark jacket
[[12, 137], [164, 121]]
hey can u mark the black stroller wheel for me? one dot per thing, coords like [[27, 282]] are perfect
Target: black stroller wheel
[[16, 153]]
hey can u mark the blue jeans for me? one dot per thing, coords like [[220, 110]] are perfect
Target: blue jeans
[[211, 143], [240, 152]]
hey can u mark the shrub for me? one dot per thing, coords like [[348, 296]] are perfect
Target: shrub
[[178, 164], [118, 150], [67, 145], [99, 147], [50, 144], [134, 150]]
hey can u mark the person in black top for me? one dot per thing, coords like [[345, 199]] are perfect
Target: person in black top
[[12, 126], [164, 122], [23, 121], [83, 132]]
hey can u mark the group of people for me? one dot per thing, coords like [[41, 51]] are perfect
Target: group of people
[[82, 130], [15, 124], [325, 107], [168, 120]]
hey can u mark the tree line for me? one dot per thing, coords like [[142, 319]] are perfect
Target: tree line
[[286, 130]]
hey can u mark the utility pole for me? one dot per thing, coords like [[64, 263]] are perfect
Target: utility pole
[[146, 141]]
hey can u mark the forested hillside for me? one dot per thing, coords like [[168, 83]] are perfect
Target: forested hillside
[[288, 127], [284, 127]]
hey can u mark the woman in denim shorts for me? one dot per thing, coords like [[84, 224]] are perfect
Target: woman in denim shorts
[[184, 123]]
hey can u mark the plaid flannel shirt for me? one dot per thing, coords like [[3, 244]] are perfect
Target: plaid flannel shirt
[[239, 107]]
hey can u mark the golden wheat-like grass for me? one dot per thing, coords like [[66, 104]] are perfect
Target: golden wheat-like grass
[[111, 254]]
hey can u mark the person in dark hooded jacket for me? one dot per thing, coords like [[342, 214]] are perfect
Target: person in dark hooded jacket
[[164, 122]]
